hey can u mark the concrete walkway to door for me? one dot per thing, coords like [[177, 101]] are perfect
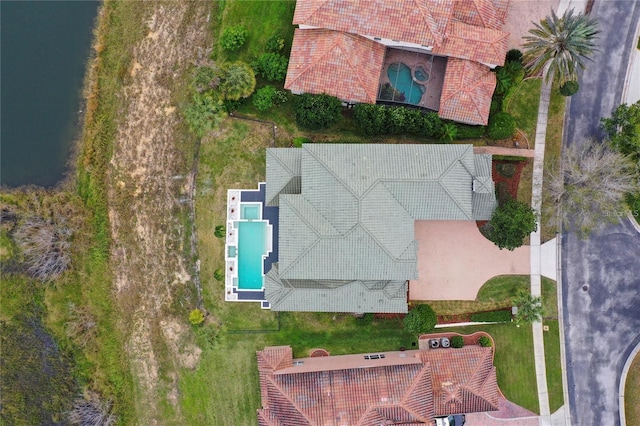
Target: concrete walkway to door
[[455, 260]]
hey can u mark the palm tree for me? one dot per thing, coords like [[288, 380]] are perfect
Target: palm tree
[[238, 81], [529, 307], [560, 45], [204, 113]]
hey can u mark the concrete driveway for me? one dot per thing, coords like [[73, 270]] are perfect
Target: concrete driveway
[[455, 260], [601, 275]]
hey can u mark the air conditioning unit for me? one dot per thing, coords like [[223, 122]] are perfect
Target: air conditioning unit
[[444, 342], [434, 343]]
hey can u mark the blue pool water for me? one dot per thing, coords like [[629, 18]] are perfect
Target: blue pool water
[[250, 211], [400, 76], [251, 249]]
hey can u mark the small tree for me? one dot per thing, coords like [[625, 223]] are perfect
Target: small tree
[[220, 231], [421, 319], [218, 274], [238, 80], [233, 38], [510, 224], [529, 307], [196, 317], [317, 112], [275, 43]]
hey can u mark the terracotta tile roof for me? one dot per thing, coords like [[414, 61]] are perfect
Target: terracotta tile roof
[[478, 44], [466, 92], [442, 382], [343, 65], [464, 381], [416, 21], [482, 13]]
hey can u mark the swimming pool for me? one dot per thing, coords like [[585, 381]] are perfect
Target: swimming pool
[[400, 76], [250, 211], [251, 251]]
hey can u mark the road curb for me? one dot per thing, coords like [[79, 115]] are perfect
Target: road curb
[[623, 382]]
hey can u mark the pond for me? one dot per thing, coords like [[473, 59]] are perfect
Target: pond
[[45, 46]]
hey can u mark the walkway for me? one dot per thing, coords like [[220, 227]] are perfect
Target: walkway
[[498, 150]]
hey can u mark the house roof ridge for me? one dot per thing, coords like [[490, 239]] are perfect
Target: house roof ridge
[[426, 369], [321, 56], [270, 379], [444, 187], [352, 66], [431, 22]]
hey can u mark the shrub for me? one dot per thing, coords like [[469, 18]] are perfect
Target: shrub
[[204, 113], [449, 132], [220, 231], [633, 201], [196, 317], [299, 140], [271, 66], [529, 307], [370, 119], [514, 55], [82, 325], [91, 410], [511, 223], [466, 131], [280, 97], [569, 88], [496, 104], [457, 342], [46, 246], [275, 43], [238, 80], [493, 316], [263, 98], [205, 78], [506, 169], [420, 319], [501, 126], [233, 38], [380, 120], [317, 112], [484, 341], [218, 274]]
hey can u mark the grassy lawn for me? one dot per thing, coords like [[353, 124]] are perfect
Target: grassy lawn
[[522, 104], [494, 294], [552, 362], [514, 361], [632, 393]]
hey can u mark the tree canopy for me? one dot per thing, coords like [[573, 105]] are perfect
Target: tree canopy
[[511, 223], [561, 43], [623, 130], [420, 319]]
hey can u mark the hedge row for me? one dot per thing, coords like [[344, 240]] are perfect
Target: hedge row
[[382, 120]]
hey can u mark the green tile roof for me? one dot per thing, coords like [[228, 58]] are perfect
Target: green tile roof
[[347, 211]]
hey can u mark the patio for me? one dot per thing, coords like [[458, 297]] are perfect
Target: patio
[[430, 75], [455, 260]]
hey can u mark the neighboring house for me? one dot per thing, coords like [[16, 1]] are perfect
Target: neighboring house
[[435, 54], [404, 387], [346, 219]]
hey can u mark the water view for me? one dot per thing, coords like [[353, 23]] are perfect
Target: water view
[[45, 46]]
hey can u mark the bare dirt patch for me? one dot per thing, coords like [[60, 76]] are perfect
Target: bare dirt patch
[[149, 181]]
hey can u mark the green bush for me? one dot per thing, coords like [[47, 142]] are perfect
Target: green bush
[[510, 224], [275, 43], [263, 98], [508, 76], [204, 79], [380, 120], [196, 317], [219, 231], [280, 97], [501, 126], [238, 81], [299, 140], [484, 341], [204, 113], [569, 88], [466, 131], [271, 66], [233, 38], [493, 316], [457, 342], [633, 201], [449, 132], [496, 104], [514, 55], [421, 319], [317, 112], [218, 274]]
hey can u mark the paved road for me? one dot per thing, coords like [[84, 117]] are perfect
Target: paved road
[[601, 276]]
